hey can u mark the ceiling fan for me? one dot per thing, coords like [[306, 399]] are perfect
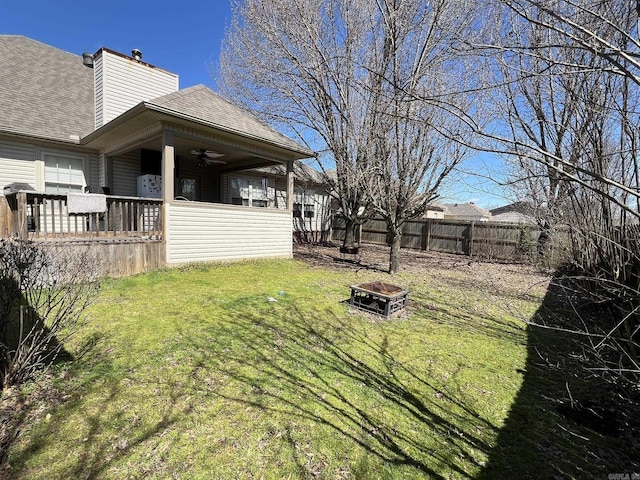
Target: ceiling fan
[[207, 157]]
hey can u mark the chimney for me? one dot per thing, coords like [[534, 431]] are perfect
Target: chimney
[[122, 82], [87, 59]]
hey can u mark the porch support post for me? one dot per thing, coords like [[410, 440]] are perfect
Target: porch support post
[[290, 186], [168, 174], [168, 165], [108, 173]]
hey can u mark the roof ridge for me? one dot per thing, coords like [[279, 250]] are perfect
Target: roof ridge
[[165, 101], [24, 37]]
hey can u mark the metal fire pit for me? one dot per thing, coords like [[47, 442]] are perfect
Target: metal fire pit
[[379, 298]]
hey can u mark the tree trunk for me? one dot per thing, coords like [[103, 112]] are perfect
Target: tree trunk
[[349, 233], [544, 240], [394, 255]]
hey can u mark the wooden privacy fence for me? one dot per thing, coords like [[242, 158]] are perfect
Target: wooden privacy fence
[[35, 215], [479, 239]]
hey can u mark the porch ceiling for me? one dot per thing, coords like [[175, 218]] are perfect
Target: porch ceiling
[[141, 128], [234, 158]]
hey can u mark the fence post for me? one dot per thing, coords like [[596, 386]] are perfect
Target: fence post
[[424, 242], [471, 239]]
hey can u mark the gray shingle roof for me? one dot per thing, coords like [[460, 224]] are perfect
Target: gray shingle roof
[[465, 210], [302, 173], [520, 207], [203, 104], [44, 91]]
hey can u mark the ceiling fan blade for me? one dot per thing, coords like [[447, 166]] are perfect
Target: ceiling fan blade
[[206, 153]]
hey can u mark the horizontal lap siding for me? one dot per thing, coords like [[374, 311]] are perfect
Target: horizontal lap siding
[[126, 169], [205, 233], [17, 164], [125, 83]]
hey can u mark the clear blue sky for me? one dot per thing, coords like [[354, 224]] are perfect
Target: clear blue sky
[[183, 37]]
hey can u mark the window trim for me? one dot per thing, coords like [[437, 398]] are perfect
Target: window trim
[[41, 180], [264, 196]]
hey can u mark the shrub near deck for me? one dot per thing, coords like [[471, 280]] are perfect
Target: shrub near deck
[[192, 373]]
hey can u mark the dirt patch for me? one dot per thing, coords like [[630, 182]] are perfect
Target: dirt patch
[[460, 269]]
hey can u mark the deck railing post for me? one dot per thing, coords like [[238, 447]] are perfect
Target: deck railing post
[[21, 227]]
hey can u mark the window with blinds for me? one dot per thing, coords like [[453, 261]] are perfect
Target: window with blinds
[[63, 174], [253, 192]]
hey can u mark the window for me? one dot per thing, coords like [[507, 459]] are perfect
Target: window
[[304, 204], [63, 174], [250, 192], [189, 188]]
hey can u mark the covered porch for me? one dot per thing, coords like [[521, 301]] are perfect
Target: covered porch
[[179, 170]]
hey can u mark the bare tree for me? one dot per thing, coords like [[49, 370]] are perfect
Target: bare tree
[[43, 295], [351, 78], [413, 152], [305, 65], [551, 111], [567, 73]]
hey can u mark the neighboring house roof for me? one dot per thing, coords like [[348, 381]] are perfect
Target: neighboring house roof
[[517, 212], [201, 104], [303, 173], [465, 210], [44, 91], [513, 217], [435, 207], [520, 207]]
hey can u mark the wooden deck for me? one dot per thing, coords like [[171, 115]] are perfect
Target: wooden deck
[[41, 216], [125, 240]]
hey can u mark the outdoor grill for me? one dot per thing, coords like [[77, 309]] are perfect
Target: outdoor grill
[[379, 298]]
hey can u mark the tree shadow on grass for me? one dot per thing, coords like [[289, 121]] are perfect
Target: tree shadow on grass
[[337, 377], [490, 326], [101, 446], [539, 439], [27, 347]]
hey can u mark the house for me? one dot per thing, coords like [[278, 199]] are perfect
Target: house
[[178, 168], [517, 212], [312, 203], [468, 212], [435, 210]]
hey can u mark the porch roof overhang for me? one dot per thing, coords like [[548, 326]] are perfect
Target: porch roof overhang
[[147, 121]]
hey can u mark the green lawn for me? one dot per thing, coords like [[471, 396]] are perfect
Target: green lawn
[[193, 373]]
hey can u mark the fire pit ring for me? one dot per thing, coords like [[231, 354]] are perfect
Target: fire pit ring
[[379, 298]]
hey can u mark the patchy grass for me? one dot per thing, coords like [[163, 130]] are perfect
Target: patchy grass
[[193, 373]]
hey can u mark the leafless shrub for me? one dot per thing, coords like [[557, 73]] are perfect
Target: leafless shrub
[[606, 270], [44, 291]]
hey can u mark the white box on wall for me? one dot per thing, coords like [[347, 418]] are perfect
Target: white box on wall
[[150, 186]]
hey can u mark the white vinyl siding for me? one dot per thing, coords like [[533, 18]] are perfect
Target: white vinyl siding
[[126, 169], [17, 164], [93, 173], [122, 83], [209, 232], [311, 210], [63, 174], [98, 91]]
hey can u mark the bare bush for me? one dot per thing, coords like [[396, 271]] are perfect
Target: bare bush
[[44, 291]]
